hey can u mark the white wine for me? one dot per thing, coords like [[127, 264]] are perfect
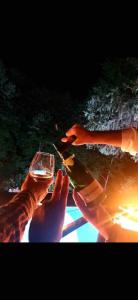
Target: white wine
[[39, 174]]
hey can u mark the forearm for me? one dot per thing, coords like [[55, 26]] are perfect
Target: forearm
[[113, 138], [126, 139], [15, 216]]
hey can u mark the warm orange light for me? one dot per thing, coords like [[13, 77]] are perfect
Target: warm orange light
[[127, 218]]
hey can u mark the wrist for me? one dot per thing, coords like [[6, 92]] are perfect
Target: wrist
[[94, 137], [32, 195]]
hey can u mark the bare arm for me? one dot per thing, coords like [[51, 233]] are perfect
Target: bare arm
[[113, 138], [84, 136], [14, 217], [15, 214]]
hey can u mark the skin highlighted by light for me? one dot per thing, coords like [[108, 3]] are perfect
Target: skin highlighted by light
[[128, 219]]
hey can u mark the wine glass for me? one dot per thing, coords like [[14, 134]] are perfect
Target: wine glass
[[42, 166]]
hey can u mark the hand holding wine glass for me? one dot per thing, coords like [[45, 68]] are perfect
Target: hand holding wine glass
[[40, 175], [38, 188]]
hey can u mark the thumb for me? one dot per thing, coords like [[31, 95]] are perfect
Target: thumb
[[76, 143], [79, 201], [65, 139], [25, 182]]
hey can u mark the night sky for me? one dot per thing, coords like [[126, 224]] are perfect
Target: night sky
[[60, 72]]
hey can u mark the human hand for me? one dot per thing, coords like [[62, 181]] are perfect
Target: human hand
[[83, 136], [97, 217], [38, 188], [48, 219]]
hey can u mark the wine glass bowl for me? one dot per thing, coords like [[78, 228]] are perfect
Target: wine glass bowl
[[42, 166]]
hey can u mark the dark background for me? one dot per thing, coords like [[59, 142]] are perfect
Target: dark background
[[55, 81], [60, 72], [48, 86]]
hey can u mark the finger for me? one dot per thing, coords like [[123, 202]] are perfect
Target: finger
[[28, 177], [76, 143], [43, 186], [68, 139], [65, 139], [64, 192], [49, 181], [90, 216], [63, 201], [80, 203], [27, 180], [58, 185], [76, 125], [71, 131]]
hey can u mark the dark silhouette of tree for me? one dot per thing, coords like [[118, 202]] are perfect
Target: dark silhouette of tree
[[31, 118]]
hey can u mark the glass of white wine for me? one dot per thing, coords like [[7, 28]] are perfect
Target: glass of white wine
[[42, 166]]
